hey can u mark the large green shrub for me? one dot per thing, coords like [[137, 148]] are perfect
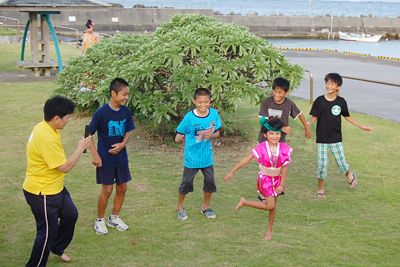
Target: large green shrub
[[165, 68]]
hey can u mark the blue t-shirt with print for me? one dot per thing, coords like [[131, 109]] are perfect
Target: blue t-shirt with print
[[111, 126], [198, 150]]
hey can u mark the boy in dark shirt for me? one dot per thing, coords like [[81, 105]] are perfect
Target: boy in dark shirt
[[326, 110], [113, 123]]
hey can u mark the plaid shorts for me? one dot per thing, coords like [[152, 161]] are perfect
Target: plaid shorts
[[323, 159]]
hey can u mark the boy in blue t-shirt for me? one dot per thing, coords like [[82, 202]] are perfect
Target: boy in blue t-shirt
[[113, 122], [199, 127]]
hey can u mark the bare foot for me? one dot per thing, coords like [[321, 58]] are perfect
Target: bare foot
[[268, 236], [241, 204], [65, 258]]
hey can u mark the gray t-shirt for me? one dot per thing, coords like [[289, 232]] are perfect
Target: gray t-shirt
[[269, 108]]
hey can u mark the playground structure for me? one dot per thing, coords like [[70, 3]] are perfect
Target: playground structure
[[40, 30]]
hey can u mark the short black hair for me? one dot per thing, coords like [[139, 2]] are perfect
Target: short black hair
[[274, 122], [118, 84], [58, 106], [281, 83], [201, 91], [334, 77], [89, 24]]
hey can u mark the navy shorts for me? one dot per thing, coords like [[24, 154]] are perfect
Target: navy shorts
[[188, 177], [112, 175]]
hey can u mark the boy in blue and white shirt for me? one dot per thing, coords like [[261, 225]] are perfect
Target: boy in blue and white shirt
[[199, 127]]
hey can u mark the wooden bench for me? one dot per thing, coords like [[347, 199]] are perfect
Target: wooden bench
[[39, 68]]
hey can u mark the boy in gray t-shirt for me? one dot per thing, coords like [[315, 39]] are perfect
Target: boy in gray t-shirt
[[281, 107]]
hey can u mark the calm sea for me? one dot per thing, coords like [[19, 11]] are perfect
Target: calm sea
[[390, 48], [354, 8]]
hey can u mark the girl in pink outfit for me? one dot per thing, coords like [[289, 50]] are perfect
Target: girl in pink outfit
[[90, 37], [274, 157]]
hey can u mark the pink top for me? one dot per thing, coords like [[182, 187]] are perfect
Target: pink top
[[264, 155]]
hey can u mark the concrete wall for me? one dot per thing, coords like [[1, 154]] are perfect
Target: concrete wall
[[129, 19], [148, 19], [268, 24]]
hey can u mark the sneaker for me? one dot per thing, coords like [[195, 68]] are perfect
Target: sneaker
[[182, 215], [100, 227], [117, 223], [209, 213]]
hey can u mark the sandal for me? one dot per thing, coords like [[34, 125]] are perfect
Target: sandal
[[322, 195], [354, 178]]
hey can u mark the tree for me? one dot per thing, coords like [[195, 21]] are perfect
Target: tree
[[165, 68]]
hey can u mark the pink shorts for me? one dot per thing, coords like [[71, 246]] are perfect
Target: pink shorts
[[268, 185]]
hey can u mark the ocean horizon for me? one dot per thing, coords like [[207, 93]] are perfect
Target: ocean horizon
[[349, 8], [353, 8], [390, 48]]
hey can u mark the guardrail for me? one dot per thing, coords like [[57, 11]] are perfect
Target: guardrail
[[11, 26], [104, 34], [346, 77], [67, 28], [371, 81], [100, 33], [54, 27]]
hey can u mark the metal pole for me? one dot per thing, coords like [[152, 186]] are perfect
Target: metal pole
[[371, 81], [311, 86], [72, 29], [24, 40], [60, 66]]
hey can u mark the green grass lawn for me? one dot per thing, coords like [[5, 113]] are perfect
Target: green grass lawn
[[12, 52], [8, 31], [357, 227]]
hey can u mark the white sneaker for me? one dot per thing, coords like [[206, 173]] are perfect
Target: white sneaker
[[100, 227], [117, 223]]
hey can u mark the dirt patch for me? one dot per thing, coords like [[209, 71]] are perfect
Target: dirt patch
[[139, 187], [142, 141], [25, 77]]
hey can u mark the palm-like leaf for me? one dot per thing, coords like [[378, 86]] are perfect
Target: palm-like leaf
[[166, 67]]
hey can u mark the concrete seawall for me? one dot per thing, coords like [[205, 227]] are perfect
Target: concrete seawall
[[148, 19]]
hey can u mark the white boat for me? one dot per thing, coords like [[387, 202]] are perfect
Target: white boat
[[364, 37]]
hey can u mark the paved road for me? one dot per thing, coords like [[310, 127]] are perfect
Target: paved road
[[378, 100]]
